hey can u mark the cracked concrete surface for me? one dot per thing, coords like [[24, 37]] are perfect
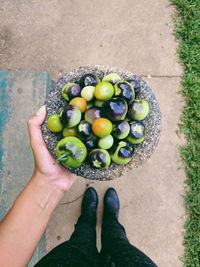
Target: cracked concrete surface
[[57, 36]]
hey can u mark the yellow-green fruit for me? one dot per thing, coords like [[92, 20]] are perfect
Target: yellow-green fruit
[[54, 124], [88, 93], [138, 109], [135, 141], [104, 91], [98, 103], [106, 142], [112, 78], [69, 132]]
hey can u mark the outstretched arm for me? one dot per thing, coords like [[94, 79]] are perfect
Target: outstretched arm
[[23, 226]]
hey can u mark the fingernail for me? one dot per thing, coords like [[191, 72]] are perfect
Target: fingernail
[[40, 110]]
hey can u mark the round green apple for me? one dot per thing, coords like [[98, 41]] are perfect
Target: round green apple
[[138, 109]]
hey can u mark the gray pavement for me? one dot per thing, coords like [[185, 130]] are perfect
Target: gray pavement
[[57, 36]]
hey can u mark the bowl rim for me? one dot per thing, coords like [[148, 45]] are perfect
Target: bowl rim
[[143, 151]]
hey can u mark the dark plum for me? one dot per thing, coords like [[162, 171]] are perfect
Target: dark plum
[[122, 152], [114, 109], [70, 116], [99, 158], [121, 129], [71, 90], [135, 85], [91, 143], [84, 130], [125, 90], [89, 80], [136, 135]]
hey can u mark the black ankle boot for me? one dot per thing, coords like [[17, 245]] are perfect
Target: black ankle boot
[[111, 228], [89, 205], [111, 205]]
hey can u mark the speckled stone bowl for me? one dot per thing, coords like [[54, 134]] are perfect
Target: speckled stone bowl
[[54, 103]]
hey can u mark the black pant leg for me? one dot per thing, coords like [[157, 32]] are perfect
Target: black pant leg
[[117, 250], [79, 251]]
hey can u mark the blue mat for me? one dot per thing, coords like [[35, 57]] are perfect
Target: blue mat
[[21, 94]]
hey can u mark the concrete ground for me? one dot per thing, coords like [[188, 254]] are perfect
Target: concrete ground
[[57, 36]]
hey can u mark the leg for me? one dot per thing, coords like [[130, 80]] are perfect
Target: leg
[[116, 248], [81, 249]]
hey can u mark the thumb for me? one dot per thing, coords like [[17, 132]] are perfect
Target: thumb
[[34, 127]]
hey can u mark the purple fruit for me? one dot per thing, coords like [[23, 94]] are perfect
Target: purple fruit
[[89, 80], [136, 135], [121, 129], [99, 158], [70, 116], [92, 114], [135, 85], [125, 90], [84, 130], [91, 143], [71, 90], [114, 109]]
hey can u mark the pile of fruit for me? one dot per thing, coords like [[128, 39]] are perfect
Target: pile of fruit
[[101, 121]]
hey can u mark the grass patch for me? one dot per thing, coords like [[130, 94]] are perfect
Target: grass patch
[[187, 31]]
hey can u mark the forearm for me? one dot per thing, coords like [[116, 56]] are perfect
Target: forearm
[[23, 226]]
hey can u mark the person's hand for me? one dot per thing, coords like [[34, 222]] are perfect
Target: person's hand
[[45, 167]]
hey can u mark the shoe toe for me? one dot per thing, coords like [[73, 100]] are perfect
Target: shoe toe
[[111, 202], [90, 198]]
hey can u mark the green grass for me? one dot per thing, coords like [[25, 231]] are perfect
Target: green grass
[[187, 31]]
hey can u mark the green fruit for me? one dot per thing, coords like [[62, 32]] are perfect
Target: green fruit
[[135, 141], [54, 124], [121, 153], [90, 105], [71, 152], [104, 91], [88, 93], [69, 132], [138, 109], [106, 142], [70, 116], [99, 158], [112, 78], [98, 103]]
